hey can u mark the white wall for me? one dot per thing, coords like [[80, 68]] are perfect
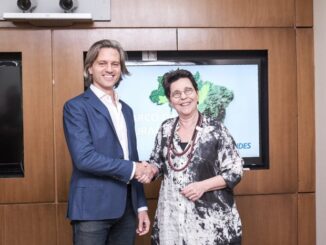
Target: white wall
[[320, 100]]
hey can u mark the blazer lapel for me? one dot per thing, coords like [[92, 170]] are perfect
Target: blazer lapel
[[99, 106], [129, 127]]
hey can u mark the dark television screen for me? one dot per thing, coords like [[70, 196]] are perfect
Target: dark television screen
[[11, 116], [233, 87]]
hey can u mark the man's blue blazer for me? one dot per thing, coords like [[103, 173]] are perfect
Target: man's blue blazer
[[98, 187]]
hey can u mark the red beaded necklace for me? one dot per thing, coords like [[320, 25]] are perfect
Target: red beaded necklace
[[191, 144]]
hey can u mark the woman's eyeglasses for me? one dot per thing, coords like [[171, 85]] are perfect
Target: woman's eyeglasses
[[177, 94]]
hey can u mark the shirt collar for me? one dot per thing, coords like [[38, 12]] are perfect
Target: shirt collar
[[101, 94]]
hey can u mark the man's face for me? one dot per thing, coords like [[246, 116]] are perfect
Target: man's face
[[106, 69]]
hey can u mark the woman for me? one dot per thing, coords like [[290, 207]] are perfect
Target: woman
[[200, 166]]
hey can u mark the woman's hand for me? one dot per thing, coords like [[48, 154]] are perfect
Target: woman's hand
[[194, 191]]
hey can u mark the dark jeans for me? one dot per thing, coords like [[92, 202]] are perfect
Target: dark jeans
[[107, 232]]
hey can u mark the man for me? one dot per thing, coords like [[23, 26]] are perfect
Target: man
[[104, 197]]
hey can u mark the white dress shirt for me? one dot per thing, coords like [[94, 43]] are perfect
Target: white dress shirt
[[117, 119]]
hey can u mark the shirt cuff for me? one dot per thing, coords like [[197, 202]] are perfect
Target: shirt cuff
[[133, 170], [142, 209]]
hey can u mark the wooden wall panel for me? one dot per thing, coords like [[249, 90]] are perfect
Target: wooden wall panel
[[204, 13], [306, 219], [306, 112], [68, 75], [64, 234], [194, 13], [268, 219], [304, 13], [2, 225], [30, 224], [152, 189], [280, 43], [38, 183]]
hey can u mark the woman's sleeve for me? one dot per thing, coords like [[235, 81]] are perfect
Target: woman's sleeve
[[231, 164], [157, 157]]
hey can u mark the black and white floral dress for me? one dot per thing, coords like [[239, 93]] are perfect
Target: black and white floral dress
[[214, 218]]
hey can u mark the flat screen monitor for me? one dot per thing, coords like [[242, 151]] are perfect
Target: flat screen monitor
[[11, 116], [232, 85]]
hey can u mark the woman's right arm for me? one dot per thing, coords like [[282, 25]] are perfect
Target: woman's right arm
[[156, 159]]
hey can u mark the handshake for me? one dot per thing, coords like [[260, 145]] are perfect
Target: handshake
[[145, 172]]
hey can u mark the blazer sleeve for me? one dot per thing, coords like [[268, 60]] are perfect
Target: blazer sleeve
[[141, 198], [82, 150]]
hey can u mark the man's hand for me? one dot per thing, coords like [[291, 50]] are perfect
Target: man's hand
[[145, 172], [143, 223], [141, 171]]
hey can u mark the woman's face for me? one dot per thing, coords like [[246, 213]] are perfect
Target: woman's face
[[183, 97]]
